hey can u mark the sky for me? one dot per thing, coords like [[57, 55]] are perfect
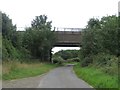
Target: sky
[[62, 13]]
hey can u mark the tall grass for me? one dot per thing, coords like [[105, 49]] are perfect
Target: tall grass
[[15, 69], [96, 77]]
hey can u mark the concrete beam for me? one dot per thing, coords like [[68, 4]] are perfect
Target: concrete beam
[[67, 45]]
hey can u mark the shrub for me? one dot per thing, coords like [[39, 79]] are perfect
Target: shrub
[[57, 60], [73, 60], [76, 59], [86, 61], [108, 63], [11, 52]]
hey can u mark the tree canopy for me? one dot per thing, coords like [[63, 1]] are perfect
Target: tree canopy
[[39, 38], [35, 42], [100, 36]]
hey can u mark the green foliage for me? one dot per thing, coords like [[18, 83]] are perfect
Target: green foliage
[[57, 60], [77, 59], [16, 70], [96, 77], [99, 36], [8, 29], [35, 42], [40, 22], [39, 38], [93, 23], [100, 50], [107, 63], [87, 60], [67, 54], [11, 40], [10, 52]]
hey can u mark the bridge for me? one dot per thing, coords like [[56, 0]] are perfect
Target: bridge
[[68, 37]]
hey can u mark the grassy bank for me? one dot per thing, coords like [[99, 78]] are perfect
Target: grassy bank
[[16, 70], [96, 77]]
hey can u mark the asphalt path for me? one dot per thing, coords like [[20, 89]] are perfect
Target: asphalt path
[[61, 77]]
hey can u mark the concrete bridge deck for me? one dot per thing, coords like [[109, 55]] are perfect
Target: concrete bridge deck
[[68, 38]]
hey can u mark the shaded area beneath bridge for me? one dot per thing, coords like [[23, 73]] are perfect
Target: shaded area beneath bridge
[[64, 44]]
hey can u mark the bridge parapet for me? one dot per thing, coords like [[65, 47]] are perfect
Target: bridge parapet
[[68, 38]]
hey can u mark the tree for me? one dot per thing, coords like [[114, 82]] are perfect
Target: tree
[[100, 36], [8, 29], [11, 41], [39, 38], [93, 23], [40, 23]]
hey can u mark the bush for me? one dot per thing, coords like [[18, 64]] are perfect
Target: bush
[[73, 60], [86, 61], [76, 59], [11, 52], [57, 60], [103, 59], [67, 54], [108, 63]]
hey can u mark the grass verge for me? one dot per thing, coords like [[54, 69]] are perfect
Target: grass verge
[[16, 70], [96, 78]]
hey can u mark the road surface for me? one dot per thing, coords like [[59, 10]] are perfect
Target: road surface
[[61, 77]]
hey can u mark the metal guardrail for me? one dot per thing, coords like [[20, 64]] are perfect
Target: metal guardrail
[[67, 29]]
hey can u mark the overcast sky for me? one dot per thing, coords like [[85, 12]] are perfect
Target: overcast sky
[[62, 13]]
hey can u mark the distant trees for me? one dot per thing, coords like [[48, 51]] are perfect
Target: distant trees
[[63, 56], [67, 54]]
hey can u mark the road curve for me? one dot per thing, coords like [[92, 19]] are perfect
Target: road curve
[[62, 77]]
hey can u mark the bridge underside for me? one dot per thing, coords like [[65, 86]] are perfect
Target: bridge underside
[[67, 39], [69, 44]]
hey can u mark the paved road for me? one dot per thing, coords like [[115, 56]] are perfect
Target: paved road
[[31, 82], [62, 77]]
